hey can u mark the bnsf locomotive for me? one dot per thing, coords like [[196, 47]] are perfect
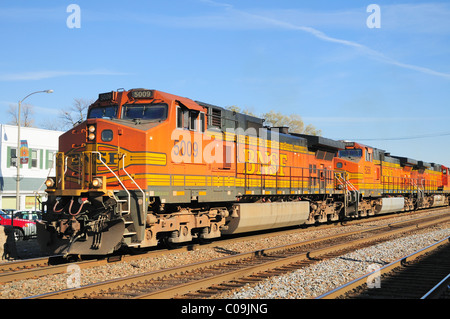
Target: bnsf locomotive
[[148, 167]]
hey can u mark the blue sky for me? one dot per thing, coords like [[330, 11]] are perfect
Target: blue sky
[[387, 87]]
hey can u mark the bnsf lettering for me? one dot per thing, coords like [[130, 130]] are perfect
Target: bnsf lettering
[[111, 158], [264, 162]]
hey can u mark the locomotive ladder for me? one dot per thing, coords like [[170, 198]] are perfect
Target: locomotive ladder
[[126, 214], [351, 193], [420, 193]]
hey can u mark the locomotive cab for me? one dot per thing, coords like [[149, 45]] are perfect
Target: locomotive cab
[[112, 170], [347, 163], [94, 202]]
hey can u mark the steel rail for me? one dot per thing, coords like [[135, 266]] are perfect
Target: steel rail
[[342, 290], [24, 269], [21, 264], [48, 270], [439, 289], [30, 268], [205, 283], [184, 288]]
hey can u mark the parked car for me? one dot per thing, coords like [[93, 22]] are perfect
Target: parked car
[[28, 214], [23, 228]]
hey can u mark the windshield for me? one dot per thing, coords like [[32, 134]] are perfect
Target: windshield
[[5, 215], [350, 153], [109, 111], [26, 215], [152, 112]]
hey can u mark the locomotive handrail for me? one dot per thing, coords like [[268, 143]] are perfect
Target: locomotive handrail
[[346, 183], [59, 169], [118, 179], [132, 179], [323, 181], [36, 193]]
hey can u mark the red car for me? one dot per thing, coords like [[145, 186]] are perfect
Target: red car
[[23, 228]]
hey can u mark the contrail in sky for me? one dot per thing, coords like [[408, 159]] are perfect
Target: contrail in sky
[[322, 36]]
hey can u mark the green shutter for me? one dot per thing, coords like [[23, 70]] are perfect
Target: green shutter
[[41, 159], [30, 156], [46, 159], [8, 161]]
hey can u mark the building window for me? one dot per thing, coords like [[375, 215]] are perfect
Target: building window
[[13, 157], [34, 158], [50, 155]]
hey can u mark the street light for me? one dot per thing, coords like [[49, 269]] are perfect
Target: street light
[[18, 149]]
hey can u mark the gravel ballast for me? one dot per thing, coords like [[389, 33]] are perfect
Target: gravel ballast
[[322, 277], [303, 283]]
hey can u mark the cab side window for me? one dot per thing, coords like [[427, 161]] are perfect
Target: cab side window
[[368, 155], [190, 120]]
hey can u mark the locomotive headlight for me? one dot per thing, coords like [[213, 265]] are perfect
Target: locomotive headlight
[[97, 182], [91, 136], [49, 182], [91, 128]]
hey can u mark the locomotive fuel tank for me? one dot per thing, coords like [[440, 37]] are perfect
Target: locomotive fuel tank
[[437, 200], [261, 216], [389, 205]]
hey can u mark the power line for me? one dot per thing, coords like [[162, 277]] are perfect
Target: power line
[[403, 138]]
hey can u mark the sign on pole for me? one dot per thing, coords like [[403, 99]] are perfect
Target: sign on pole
[[24, 152]]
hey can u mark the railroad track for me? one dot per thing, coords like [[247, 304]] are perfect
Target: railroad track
[[37, 267], [424, 274], [207, 278], [440, 291]]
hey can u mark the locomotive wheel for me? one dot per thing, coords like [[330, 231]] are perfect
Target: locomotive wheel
[[203, 241], [168, 244]]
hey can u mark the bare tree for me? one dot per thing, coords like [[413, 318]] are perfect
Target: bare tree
[[277, 119], [76, 113], [293, 121], [237, 109], [51, 124], [26, 118]]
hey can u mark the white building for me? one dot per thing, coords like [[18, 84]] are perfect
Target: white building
[[42, 145]]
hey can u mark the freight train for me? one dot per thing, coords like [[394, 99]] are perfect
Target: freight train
[[148, 167]]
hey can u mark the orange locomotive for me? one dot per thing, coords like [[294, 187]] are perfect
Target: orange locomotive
[[382, 183], [149, 167]]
